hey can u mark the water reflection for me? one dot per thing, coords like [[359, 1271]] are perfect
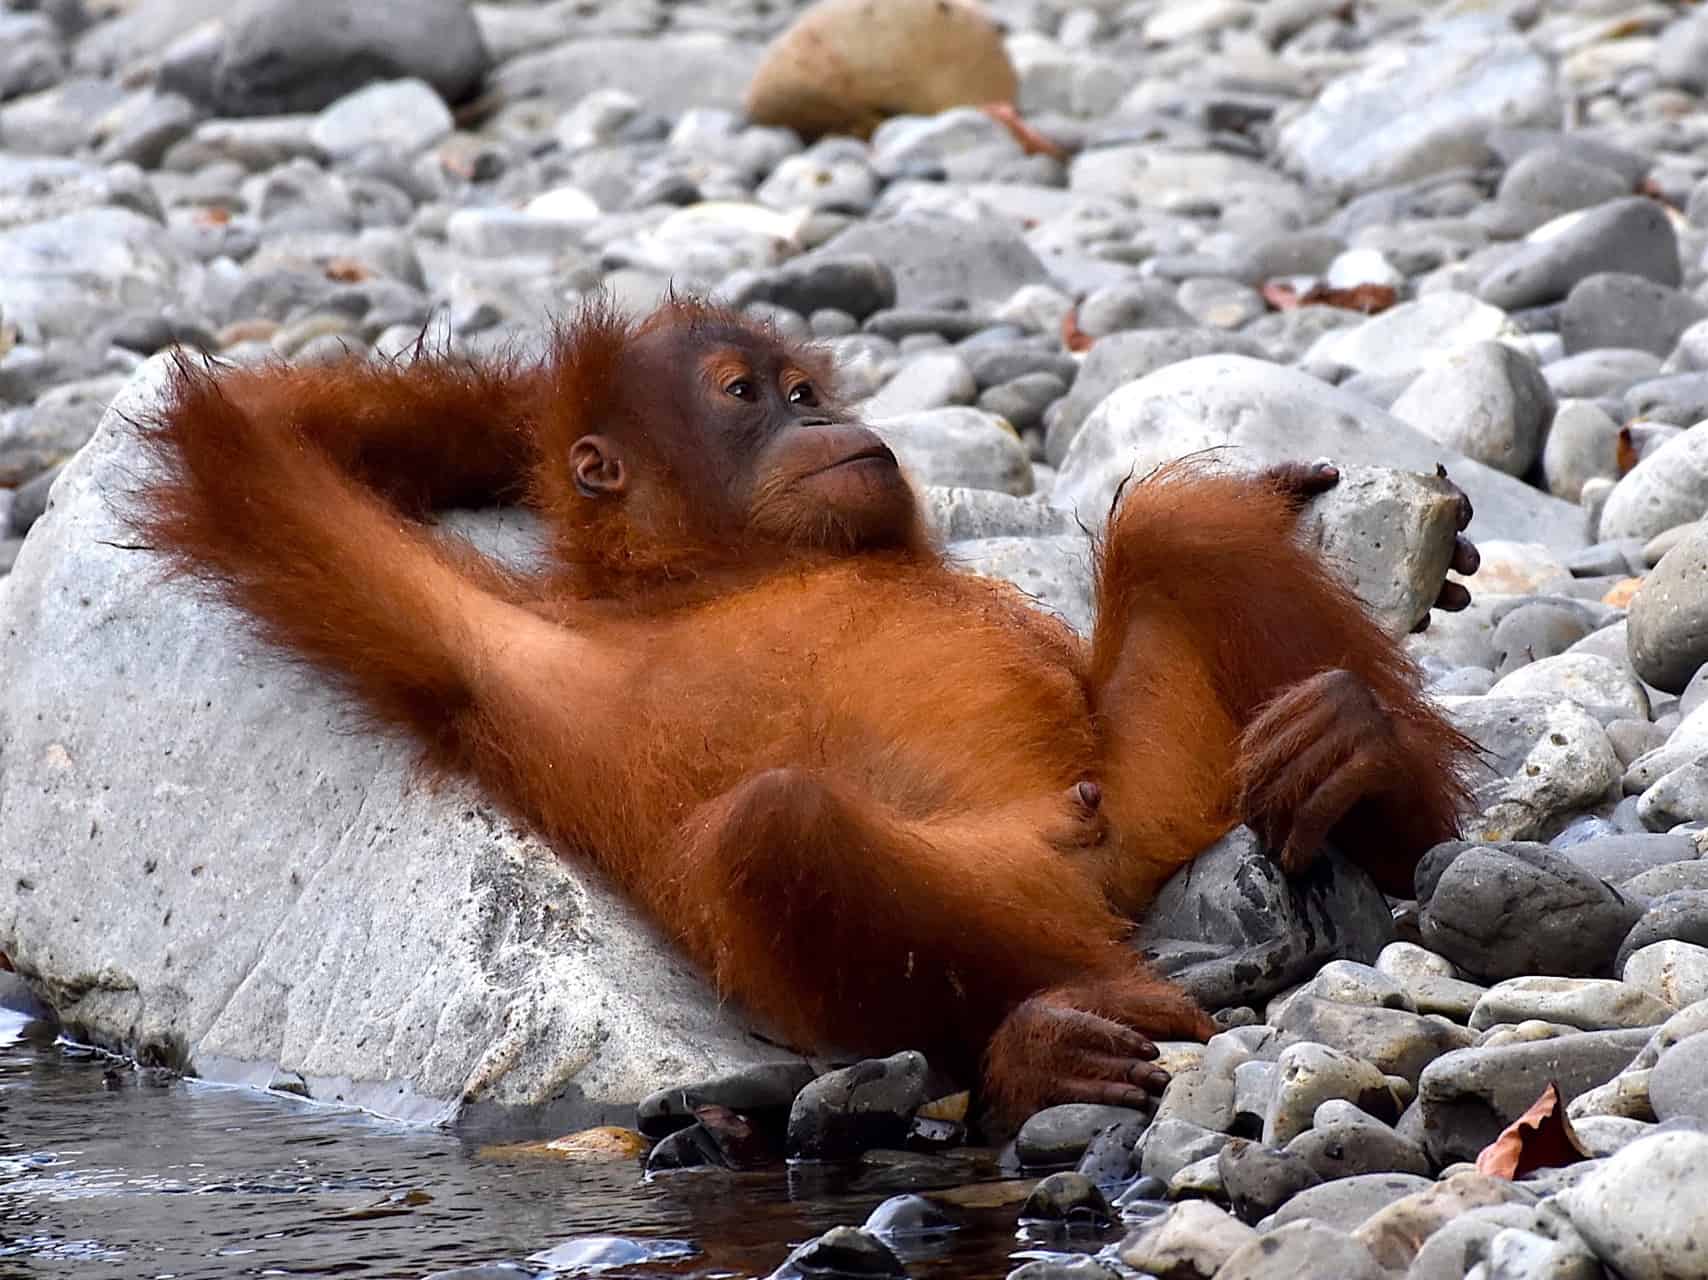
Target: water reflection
[[113, 1171]]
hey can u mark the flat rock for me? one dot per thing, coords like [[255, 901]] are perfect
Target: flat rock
[[1631, 235], [1256, 414], [933, 257], [1302, 1249], [402, 950], [1590, 1004], [1359, 134], [1347, 1202], [1466, 1098]]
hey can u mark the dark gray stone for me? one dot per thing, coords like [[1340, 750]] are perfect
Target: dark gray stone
[[841, 1252], [1632, 236], [1681, 916], [1678, 1085], [1668, 629], [282, 56], [1506, 910], [1613, 309], [1232, 929], [869, 1104], [856, 284], [1259, 1179], [767, 1089], [1354, 1144], [1681, 399], [1068, 1198], [1466, 1098], [1059, 1135], [1534, 631], [934, 257]]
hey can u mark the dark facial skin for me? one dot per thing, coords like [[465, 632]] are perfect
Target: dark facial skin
[[762, 446]]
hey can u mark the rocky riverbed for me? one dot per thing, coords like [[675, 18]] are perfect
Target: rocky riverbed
[[1394, 234]]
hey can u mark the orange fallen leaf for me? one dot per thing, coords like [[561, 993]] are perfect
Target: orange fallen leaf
[[1031, 141], [1365, 298], [1541, 1138], [1625, 454], [1073, 337]]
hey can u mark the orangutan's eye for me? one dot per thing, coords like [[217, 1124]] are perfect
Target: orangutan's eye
[[741, 389], [804, 394]]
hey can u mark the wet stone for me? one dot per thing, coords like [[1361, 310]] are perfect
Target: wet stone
[[1189, 1242], [1059, 1135], [1259, 1179], [1068, 1198], [841, 1252], [869, 1104]]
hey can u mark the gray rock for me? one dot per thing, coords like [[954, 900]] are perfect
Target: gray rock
[[1667, 488], [1411, 336], [361, 959], [1394, 1233], [857, 284], [1262, 414], [841, 1251], [1641, 1210], [1309, 1075], [1200, 1095], [1678, 1084], [1345, 1142], [1024, 400], [1233, 930], [1259, 1180], [1466, 1098], [1171, 1145], [931, 380], [1054, 571], [1618, 858], [1582, 443], [401, 117], [967, 515], [671, 72], [869, 1104], [1590, 1004], [1141, 304], [1680, 399], [1679, 54], [1189, 1242], [1484, 400], [1535, 631], [1632, 235], [1616, 309], [958, 446], [1348, 982], [67, 273], [1668, 631], [302, 55], [1121, 358], [1301, 1249], [1395, 1041], [1668, 879], [1541, 761], [1504, 910], [933, 258], [766, 1090], [1551, 180], [1452, 1250], [1359, 135], [1608, 371], [1346, 1203], [1058, 1136], [1679, 916], [1604, 688], [1389, 535], [1676, 972]]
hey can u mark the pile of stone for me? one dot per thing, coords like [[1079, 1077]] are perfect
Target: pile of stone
[[1393, 235]]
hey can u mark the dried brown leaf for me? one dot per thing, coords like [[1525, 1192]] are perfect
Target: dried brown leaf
[[1541, 1138]]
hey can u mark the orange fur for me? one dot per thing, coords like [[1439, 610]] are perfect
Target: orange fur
[[843, 776]]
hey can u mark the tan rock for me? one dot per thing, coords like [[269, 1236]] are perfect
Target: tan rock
[[846, 65]]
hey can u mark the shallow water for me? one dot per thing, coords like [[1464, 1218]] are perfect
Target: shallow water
[[106, 1170]]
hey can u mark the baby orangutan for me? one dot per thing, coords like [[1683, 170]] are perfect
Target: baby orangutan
[[881, 803]]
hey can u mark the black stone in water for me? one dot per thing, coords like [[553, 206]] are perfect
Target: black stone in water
[[909, 1215], [1068, 1198], [690, 1148], [841, 1251]]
